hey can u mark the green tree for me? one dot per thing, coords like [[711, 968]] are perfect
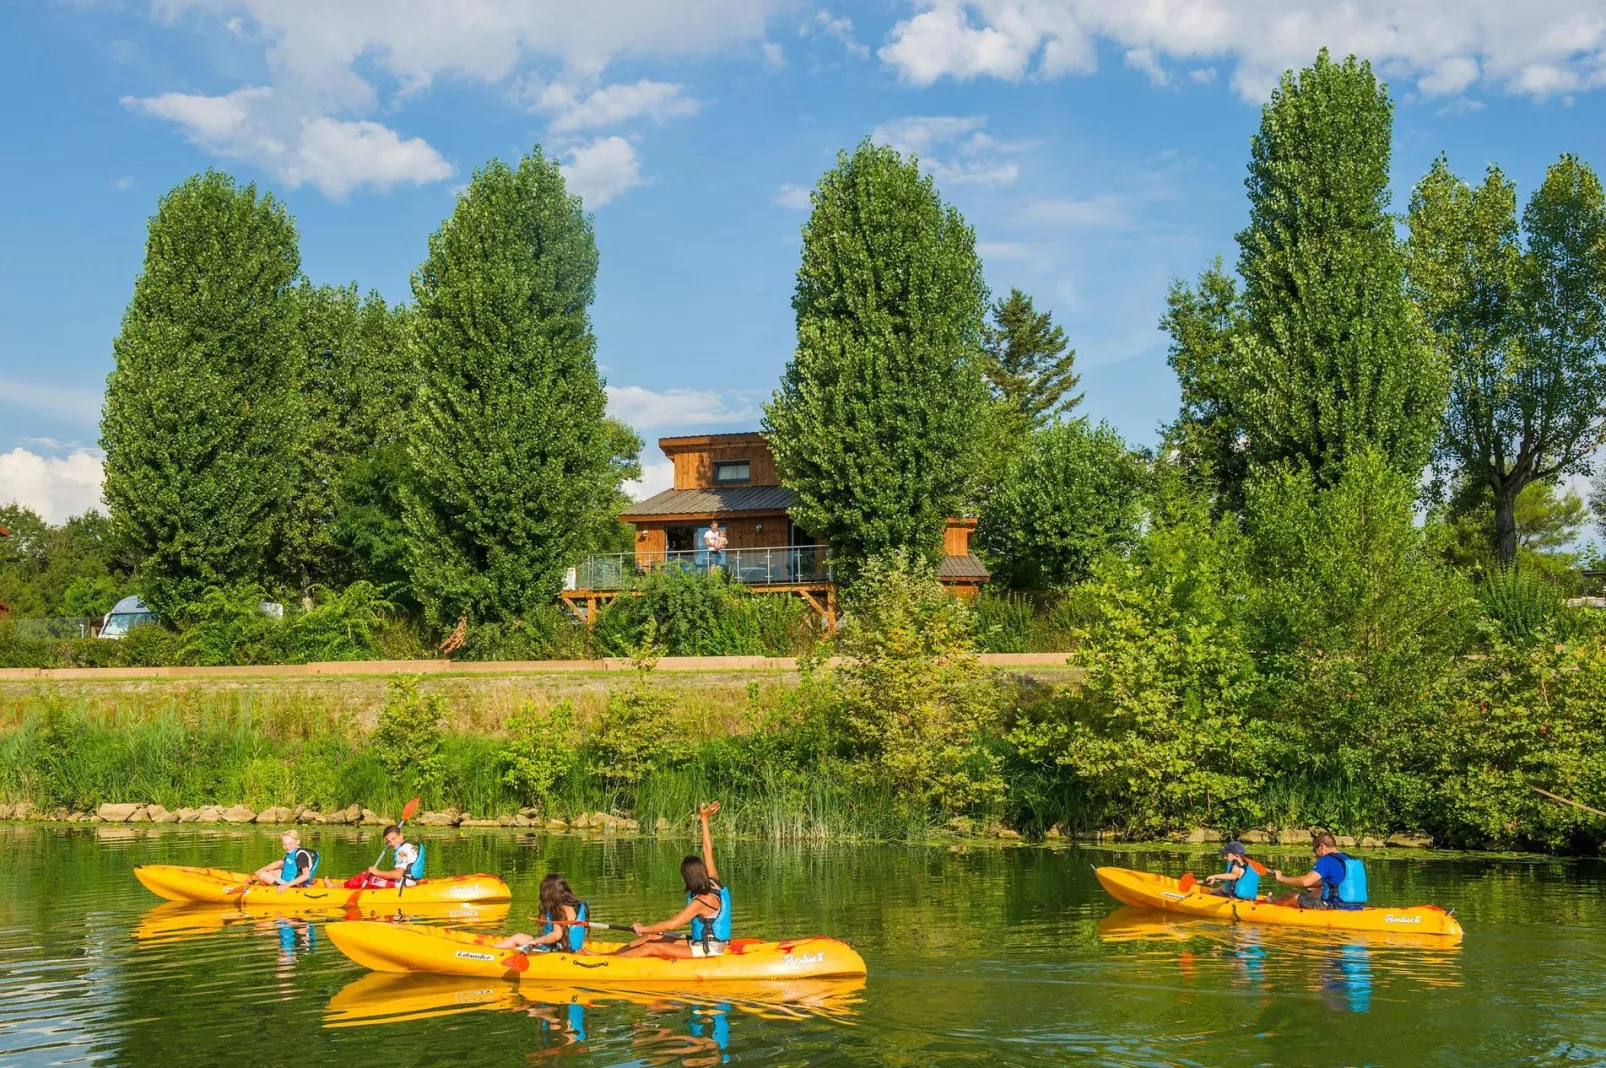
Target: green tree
[[1209, 437], [1331, 357], [345, 521], [202, 413], [875, 426], [66, 570], [1523, 329], [1073, 494], [1028, 362], [512, 457]]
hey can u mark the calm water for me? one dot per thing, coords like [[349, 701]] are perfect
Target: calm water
[[983, 956]]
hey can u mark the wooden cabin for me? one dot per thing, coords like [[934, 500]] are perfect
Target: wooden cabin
[[731, 479]]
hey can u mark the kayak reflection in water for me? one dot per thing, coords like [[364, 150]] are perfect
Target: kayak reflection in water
[[1348, 973], [708, 909]]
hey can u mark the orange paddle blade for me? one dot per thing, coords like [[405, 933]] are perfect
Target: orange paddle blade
[[1260, 869], [1187, 882], [519, 962], [410, 808]]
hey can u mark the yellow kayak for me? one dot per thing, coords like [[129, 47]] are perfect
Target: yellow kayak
[[390, 947], [174, 921], [1147, 890], [178, 883], [381, 997]]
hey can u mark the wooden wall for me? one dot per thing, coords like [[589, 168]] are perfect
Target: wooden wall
[[694, 468], [741, 533], [956, 537]]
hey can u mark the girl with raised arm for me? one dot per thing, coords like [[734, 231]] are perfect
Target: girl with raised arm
[[708, 909]]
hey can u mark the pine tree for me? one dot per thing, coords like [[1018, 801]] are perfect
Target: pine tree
[[510, 451], [1028, 361], [1333, 357], [202, 411], [875, 427]]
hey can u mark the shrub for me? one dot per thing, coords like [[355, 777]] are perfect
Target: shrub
[[408, 735], [539, 752], [340, 626], [228, 626], [1520, 604]]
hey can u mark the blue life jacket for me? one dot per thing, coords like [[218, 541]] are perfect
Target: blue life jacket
[[415, 871], [718, 927], [575, 935], [1352, 891], [293, 861], [1247, 885]]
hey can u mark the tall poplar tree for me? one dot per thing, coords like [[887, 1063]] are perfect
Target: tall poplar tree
[[1523, 329], [511, 456], [1208, 436], [1333, 357], [201, 412], [875, 426]]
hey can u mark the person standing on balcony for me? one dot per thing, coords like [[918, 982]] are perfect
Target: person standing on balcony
[[714, 540]]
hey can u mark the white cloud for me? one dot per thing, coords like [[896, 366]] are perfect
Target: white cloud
[[1203, 75], [968, 155], [336, 156], [1540, 48], [1105, 212], [774, 56], [795, 197], [655, 478], [840, 27], [54, 486], [647, 409], [1144, 59], [602, 170], [1003, 250], [123, 184], [611, 105]]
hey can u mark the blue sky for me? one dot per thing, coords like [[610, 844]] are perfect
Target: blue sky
[[1097, 146]]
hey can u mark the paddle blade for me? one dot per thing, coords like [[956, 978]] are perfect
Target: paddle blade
[[410, 809], [1260, 869], [518, 962], [1187, 882]]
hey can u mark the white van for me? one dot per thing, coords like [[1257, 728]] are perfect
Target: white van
[[125, 615]]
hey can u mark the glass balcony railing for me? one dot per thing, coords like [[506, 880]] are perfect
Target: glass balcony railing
[[752, 567]]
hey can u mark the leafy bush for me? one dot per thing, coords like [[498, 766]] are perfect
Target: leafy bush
[[340, 626], [408, 735], [539, 752], [910, 691], [228, 627], [702, 614], [548, 632], [1520, 604]]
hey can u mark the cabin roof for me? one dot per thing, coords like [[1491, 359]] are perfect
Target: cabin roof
[[962, 567], [723, 501]]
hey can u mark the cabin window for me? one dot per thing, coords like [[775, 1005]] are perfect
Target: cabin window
[[727, 472], [679, 539]]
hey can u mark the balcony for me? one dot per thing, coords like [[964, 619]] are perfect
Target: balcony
[[784, 566]]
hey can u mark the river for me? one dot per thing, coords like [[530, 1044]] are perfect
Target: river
[[977, 955]]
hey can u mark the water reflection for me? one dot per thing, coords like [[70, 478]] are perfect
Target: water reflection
[[1341, 967], [178, 921], [700, 1034]]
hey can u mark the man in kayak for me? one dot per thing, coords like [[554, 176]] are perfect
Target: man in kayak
[[708, 910], [295, 868], [407, 859], [1335, 881], [1240, 880]]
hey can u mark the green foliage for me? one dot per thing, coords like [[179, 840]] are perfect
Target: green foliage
[[909, 691], [634, 737], [513, 462], [540, 752], [341, 625], [1028, 362], [228, 626], [702, 614], [1521, 605], [548, 632], [1160, 734], [1073, 494], [1209, 436], [64, 570], [1523, 329], [1330, 356], [408, 736], [202, 414], [875, 424]]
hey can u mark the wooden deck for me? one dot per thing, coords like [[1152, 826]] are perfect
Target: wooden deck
[[819, 596]]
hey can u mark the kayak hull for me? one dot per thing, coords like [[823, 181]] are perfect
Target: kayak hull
[[1148, 890], [389, 947], [216, 885]]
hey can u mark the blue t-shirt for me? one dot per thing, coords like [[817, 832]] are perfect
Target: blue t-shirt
[[1331, 869]]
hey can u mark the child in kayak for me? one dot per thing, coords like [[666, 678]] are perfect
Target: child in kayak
[[708, 910], [558, 902], [406, 857], [1240, 881], [295, 868]]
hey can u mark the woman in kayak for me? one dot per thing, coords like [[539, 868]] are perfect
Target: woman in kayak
[[558, 902], [708, 909]]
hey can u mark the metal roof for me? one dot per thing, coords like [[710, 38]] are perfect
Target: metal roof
[[962, 567], [712, 502]]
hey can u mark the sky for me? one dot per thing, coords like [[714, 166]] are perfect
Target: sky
[[1097, 147]]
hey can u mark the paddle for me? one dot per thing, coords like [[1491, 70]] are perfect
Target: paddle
[[1187, 882], [408, 810], [519, 961], [1566, 801]]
